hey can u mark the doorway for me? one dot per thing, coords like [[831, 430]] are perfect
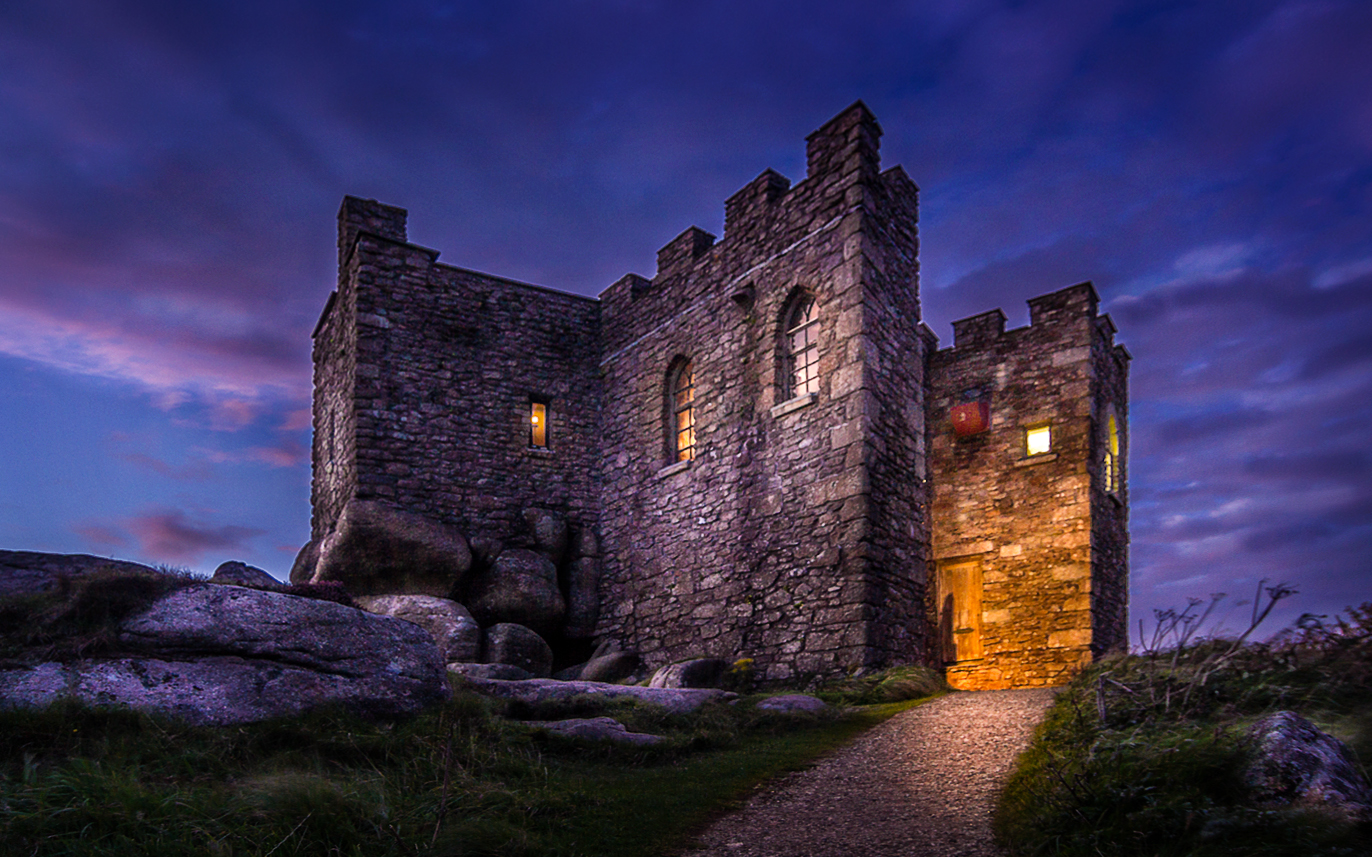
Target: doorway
[[959, 594]]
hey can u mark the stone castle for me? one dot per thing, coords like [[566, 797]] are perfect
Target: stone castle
[[761, 451]]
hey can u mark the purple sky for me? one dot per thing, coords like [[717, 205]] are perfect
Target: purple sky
[[170, 172]]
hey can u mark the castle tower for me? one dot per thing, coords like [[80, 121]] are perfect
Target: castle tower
[[1030, 501], [775, 505]]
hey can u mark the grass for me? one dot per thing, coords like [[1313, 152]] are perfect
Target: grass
[[462, 779], [1143, 754]]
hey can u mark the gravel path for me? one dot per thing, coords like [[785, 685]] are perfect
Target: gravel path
[[922, 783]]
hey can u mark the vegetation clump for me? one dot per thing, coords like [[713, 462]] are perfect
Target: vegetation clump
[[81, 616], [890, 685], [1144, 754]]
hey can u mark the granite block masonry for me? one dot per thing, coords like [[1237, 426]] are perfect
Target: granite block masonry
[[755, 442]]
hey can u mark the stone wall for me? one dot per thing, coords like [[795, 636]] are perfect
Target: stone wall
[[1028, 525], [1109, 508], [764, 545], [435, 368]]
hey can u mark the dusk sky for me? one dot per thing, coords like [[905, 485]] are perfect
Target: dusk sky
[[170, 173]]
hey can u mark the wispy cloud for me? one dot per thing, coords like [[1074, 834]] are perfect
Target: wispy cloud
[[169, 535]]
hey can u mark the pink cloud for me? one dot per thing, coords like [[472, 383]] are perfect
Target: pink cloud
[[169, 534], [233, 414], [195, 471], [288, 453], [297, 420]]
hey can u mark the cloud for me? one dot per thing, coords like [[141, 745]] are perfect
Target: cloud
[[170, 535], [286, 453], [194, 471]]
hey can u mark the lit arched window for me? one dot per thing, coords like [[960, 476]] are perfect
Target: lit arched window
[[801, 346], [1114, 473], [681, 414]]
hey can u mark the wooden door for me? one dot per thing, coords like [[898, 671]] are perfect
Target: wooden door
[[959, 592]]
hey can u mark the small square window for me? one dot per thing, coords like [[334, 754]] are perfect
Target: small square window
[[538, 424], [1038, 440]]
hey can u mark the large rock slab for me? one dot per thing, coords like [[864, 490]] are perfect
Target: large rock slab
[[376, 549], [210, 691], [610, 667], [594, 729], [206, 619], [1293, 762], [508, 672], [699, 672], [520, 587], [536, 690], [213, 653], [32, 573], [453, 629], [516, 645], [790, 702]]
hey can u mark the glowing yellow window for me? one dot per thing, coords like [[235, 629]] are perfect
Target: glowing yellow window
[[684, 412], [1113, 477], [538, 425], [1038, 440]]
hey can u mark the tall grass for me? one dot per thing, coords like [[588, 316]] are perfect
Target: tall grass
[[1143, 754]]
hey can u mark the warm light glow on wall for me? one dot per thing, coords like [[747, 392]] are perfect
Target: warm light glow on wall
[[538, 424], [1038, 440]]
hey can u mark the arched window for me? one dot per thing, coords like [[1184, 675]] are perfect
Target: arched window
[[681, 413], [801, 346], [1113, 472]]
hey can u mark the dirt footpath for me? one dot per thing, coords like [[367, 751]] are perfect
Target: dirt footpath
[[922, 783]]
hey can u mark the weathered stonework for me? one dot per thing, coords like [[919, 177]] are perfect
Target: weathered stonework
[[1044, 543], [802, 530]]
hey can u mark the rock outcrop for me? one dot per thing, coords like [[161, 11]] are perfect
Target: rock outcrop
[[220, 654], [534, 691], [610, 667], [508, 643], [548, 532], [520, 586], [378, 550], [583, 597], [789, 702], [241, 574], [1294, 762], [699, 672], [453, 629], [595, 729], [25, 573]]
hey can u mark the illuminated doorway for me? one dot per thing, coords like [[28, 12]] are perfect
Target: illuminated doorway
[[959, 594]]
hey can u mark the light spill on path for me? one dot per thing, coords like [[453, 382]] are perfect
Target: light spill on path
[[922, 783]]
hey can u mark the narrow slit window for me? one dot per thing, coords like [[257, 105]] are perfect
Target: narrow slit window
[[802, 347], [683, 413], [1038, 440], [1113, 476], [538, 424]]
